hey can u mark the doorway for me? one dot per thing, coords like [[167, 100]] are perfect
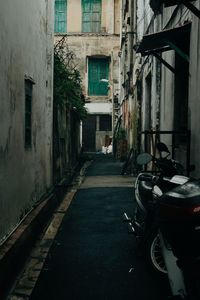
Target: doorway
[[89, 134]]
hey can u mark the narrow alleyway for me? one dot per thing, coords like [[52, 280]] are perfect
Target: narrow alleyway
[[92, 256]]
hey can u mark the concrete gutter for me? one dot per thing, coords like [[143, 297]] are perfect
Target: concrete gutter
[[15, 250]]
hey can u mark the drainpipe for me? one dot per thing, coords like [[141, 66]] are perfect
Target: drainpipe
[[112, 91]]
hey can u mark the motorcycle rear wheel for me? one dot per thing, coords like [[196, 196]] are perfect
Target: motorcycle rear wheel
[[153, 253]]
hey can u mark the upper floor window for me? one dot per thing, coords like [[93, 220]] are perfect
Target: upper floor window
[[91, 15], [98, 69], [60, 16]]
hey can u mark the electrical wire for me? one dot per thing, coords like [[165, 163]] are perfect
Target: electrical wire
[[146, 13]]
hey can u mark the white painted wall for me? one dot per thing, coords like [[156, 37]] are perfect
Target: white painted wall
[[26, 48], [98, 108]]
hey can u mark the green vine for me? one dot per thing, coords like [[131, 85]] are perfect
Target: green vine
[[67, 80]]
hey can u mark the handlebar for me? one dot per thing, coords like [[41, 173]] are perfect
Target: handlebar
[[147, 177], [152, 178]]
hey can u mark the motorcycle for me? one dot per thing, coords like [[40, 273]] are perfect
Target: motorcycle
[[147, 188], [177, 217], [167, 226]]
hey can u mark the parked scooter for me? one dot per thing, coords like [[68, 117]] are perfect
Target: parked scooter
[[147, 189], [177, 217], [167, 226]]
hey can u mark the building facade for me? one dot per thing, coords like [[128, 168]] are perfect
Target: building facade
[[128, 102], [26, 107], [166, 70], [92, 28]]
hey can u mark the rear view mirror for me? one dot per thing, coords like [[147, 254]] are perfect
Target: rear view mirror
[[162, 147], [144, 159]]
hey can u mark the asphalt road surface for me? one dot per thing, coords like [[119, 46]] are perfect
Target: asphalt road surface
[[92, 255]]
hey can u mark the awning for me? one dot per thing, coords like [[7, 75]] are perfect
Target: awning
[[165, 40], [177, 39]]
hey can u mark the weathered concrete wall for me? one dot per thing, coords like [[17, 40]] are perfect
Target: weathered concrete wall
[[74, 16], [26, 49], [167, 94], [173, 17], [117, 17], [194, 92], [102, 44], [105, 43], [88, 45]]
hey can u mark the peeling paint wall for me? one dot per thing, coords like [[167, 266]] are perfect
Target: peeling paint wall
[[87, 45], [26, 49], [194, 94]]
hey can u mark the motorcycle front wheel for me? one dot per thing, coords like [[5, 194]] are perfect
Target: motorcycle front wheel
[[153, 253]]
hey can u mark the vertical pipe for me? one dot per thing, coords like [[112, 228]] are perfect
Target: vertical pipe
[[188, 152], [173, 144], [145, 145]]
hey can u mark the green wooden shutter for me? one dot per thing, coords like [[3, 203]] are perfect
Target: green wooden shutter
[[96, 15], [98, 69], [91, 15], [60, 15]]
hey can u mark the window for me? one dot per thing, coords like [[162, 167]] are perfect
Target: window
[[91, 15], [60, 15], [98, 70], [28, 112], [105, 123]]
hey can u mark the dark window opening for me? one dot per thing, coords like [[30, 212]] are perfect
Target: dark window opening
[[89, 133], [28, 113], [181, 97], [105, 123], [148, 103]]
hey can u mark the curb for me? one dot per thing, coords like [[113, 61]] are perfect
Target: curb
[[15, 250], [28, 278]]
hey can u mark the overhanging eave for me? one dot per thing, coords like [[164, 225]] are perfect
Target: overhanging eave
[[164, 40]]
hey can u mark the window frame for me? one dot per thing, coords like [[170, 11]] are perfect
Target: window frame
[[89, 23], [58, 28], [98, 69]]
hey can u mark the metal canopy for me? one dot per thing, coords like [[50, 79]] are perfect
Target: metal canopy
[[170, 39]]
